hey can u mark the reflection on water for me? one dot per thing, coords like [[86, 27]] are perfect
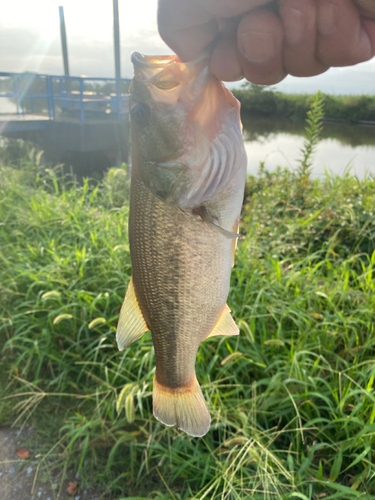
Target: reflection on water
[[278, 143]]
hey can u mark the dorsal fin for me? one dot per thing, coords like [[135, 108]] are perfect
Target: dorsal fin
[[225, 324], [131, 324]]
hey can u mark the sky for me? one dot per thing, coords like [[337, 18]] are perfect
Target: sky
[[30, 41]]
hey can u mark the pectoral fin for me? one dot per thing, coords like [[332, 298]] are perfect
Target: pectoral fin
[[202, 211], [234, 242], [131, 325], [225, 325]]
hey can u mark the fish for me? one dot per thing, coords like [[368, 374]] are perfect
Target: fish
[[187, 187]]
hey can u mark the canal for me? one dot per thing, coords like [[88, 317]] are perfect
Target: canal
[[278, 143]]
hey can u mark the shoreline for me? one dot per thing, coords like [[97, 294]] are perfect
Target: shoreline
[[246, 114], [350, 110]]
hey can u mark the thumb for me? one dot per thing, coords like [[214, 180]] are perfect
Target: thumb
[[186, 27]]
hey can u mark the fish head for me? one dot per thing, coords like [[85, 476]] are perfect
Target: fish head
[[177, 110], [156, 113]]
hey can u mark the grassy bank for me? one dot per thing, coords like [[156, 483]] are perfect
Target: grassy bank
[[292, 398], [265, 101]]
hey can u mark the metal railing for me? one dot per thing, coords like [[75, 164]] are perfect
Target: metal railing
[[65, 96]]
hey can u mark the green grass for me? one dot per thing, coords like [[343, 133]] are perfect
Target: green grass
[[292, 398]]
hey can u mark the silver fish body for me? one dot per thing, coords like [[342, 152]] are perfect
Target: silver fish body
[[188, 175]]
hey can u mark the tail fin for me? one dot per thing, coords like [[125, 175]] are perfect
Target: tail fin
[[183, 406]]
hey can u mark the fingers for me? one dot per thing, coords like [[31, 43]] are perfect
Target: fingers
[[225, 64], [231, 8], [304, 39], [342, 38], [259, 43], [189, 26], [369, 27], [186, 27], [308, 37], [366, 7], [299, 23], [250, 48]]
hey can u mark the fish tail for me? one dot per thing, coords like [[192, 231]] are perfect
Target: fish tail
[[184, 407]]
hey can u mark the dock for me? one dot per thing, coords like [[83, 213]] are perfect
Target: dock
[[68, 117]]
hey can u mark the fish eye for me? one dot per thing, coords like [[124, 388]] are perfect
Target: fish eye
[[167, 84], [140, 114]]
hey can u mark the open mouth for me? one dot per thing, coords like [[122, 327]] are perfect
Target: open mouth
[[143, 61]]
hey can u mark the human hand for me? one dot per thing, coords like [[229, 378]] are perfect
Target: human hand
[[264, 41]]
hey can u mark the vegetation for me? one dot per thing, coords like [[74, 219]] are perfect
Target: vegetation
[[256, 99], [292, 398]]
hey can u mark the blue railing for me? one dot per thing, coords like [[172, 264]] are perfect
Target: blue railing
[[65, 96]]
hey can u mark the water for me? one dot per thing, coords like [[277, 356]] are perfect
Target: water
[[278, 143]]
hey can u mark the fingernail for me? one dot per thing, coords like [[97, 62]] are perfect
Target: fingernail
[[327, 18], [294, 23], [257, 46]]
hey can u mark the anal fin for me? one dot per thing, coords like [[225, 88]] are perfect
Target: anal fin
[[225, 325], [131, 324]]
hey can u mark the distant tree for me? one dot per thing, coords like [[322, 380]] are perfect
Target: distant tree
[[257, 89]]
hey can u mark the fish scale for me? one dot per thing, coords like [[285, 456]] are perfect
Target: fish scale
[[166, 271], [186, 195]]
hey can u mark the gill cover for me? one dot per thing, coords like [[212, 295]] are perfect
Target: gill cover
[[191, 146]]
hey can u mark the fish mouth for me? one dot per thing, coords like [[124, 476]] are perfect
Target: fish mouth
[[142, 61]]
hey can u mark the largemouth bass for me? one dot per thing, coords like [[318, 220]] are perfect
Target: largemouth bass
[[187, 185]]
